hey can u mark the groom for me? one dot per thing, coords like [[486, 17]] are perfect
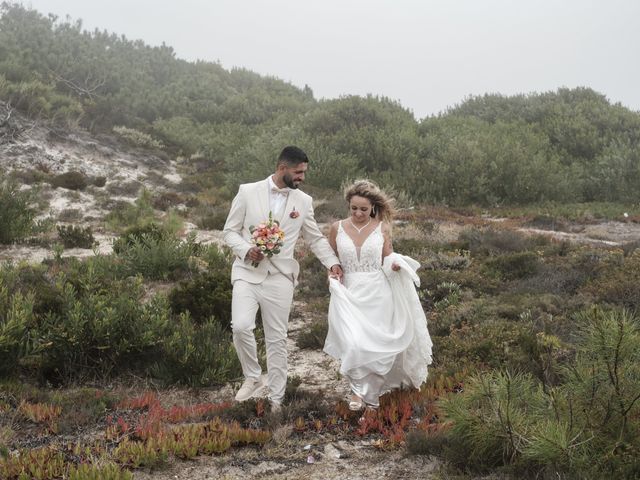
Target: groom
[[269, 286]]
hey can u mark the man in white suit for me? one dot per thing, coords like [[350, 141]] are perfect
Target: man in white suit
[[269, 286]]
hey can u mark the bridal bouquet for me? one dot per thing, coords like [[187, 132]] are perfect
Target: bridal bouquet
[[268, 237]]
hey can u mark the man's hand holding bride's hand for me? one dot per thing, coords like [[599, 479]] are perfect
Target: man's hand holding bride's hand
[[336, 272], [255, 255]]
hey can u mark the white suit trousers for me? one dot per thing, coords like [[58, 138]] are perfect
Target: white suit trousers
[[273, 296]]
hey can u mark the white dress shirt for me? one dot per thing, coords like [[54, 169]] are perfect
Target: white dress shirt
[[277, 198]]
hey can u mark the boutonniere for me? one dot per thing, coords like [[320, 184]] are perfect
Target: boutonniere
[[294, 213]]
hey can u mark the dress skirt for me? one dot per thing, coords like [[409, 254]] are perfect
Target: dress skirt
[[378, 331]]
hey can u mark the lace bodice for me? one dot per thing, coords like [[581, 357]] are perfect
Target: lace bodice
[[367, 258]]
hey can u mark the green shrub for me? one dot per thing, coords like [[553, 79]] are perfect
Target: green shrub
[[331, 209], [165, 200], [28, 177], [514, 265], [492, 418], [90, 323], [445, 294], [136, 138], [70, 181], [135, 234], [70, 215], [313, 335], [218, 258], [125, 188], [619, 286], [313, 275], [158, 258], [412, 247], [197, 355], [204, 295], [16, 339], [473, 279], [33, 281], [456, 260], [108, 268], [546, 222], [605, 378], [102, 331], [128, 215], [16, 214], [75, 237], [99, 181], [421, 442], [211, 217], [561, 278], [493, 343], [492, 241], [629, 247], [587, 427]]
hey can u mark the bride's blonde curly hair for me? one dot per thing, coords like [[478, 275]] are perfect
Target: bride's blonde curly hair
[[383, 205]]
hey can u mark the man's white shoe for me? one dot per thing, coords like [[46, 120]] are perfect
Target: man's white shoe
[[252, 387]]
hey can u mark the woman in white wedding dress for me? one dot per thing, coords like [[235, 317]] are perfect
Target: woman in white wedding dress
[[377, 327]]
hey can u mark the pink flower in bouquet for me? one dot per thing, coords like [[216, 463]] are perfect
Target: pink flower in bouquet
[[268, 237]]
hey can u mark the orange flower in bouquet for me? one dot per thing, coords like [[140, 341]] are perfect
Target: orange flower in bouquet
[[268, 237]]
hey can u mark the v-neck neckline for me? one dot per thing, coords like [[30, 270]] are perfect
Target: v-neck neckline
[[359, 249]]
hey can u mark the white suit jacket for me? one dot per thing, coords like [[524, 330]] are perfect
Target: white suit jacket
[[251, 207]]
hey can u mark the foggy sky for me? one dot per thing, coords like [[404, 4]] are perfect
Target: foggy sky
[[428, 55]]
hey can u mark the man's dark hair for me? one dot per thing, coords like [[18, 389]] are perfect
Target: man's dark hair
[[292, 156]]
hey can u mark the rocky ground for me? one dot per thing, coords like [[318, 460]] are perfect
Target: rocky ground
[[320, 457]]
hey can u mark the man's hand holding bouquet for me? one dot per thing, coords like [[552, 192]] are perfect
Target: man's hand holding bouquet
[[268, 237]]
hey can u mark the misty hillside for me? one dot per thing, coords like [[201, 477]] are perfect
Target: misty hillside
[[571, 145]]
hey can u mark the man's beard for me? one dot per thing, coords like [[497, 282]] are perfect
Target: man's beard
[[288, 181]]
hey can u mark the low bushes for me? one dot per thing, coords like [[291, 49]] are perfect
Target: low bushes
[[101, 331], [314, 335], [197, 355], [16, 214], [204, 295], [76, 320], [137, 138], [211, 217], [158, 259], [492, 241], [619, 286], [586, 426], [73, 236], [70, 180], [513, 265]]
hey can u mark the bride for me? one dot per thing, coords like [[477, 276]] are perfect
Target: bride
[[377, 327]]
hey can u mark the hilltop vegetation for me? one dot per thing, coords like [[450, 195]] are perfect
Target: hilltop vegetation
[[571, 145]]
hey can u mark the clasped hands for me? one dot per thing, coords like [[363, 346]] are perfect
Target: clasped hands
[[336, 272], [256, 255]]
